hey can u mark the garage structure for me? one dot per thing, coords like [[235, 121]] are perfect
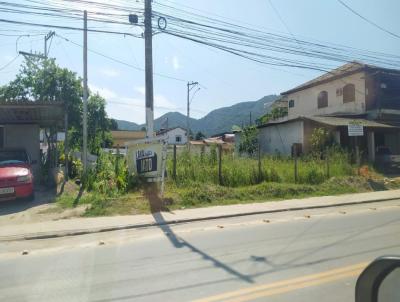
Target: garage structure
[[20, 124]]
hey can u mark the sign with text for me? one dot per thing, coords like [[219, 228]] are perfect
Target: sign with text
[[145, 159], [355, 128]]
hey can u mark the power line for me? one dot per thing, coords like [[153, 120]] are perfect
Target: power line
[[9, 63], [68, 27], [119, 61], [368, 20]]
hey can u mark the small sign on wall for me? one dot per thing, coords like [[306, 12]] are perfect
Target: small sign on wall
[[355, 128]]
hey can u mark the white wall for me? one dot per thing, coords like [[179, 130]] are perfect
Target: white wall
[[306, 100], [27, 137], [281, 137], [172, 134]]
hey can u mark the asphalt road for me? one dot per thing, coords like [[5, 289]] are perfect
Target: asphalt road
[[300, 256]]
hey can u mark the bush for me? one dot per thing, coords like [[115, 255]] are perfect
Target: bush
[[109, 177]]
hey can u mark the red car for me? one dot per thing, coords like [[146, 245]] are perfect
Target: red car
[[16, 178]]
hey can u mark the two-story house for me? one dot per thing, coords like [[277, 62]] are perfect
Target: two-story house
[[358, 92]]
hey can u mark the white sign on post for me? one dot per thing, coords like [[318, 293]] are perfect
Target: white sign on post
[[355, 129], [147, 158]]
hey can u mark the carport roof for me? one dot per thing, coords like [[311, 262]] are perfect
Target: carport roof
[[332, 121], [342, 121], [44, 114]]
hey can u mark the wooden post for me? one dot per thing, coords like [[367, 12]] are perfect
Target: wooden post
[[357, 149], [174, 164], [66, 151], [327, 163], [259, 163], [295, 164], [220, 164]]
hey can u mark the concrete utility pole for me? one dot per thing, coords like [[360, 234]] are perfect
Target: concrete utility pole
[[46, 38], [148, 36], [190, 86], [85, 92]]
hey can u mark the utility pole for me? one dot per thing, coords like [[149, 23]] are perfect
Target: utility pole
[[190, 86], [46, 38], [85, 92], [251, 122], [148, 36]]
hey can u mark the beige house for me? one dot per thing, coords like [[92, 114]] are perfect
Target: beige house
[[358, 92]]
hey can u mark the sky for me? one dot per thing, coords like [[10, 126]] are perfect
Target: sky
[[225, 79]]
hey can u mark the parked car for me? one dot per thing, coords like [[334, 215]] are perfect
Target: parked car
[[16, 178]]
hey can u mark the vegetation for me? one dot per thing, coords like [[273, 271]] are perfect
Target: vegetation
[[208, 194], [238, 171], [199, 136], [275, 113], [249, 140]]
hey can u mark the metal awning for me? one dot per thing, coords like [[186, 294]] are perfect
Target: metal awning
[[342, 121], [43, 114]]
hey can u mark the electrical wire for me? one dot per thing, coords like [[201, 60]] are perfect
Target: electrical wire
[[368, 20], [119, 61], [9, 63]]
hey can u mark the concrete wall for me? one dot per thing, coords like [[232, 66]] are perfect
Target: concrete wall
[[280, 138], [306, 101], [27, 137], [172, 134]]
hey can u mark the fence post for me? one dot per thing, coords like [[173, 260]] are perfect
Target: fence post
[[327, 164], [295, 164], [174, 164], [357, 149], [220, 164], [259, 163]]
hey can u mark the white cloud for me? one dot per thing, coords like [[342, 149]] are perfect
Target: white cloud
[[141, 90], [104, 92], [132, 108], [175, 63], [112, 73]]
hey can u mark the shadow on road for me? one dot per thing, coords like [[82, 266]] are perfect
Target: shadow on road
[[156, 207]]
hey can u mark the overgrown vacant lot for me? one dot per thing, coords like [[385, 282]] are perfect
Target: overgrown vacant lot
[[110, 190], [208, 194]]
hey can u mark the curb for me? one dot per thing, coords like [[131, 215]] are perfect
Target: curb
[[77, 232]]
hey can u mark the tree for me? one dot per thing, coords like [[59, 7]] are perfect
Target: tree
[[249, 140], [199, 136], [320, 139], [113, 124]]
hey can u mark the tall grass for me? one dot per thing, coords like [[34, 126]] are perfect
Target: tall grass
[[239, 171]]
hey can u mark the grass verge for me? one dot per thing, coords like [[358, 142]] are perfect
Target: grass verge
[[198, 194]]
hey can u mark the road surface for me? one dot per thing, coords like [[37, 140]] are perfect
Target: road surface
[[298, 256]]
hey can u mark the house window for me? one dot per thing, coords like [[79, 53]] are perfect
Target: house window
[[291, 103], [322, 99], [349, 93], [1, 137], [178, 138]]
